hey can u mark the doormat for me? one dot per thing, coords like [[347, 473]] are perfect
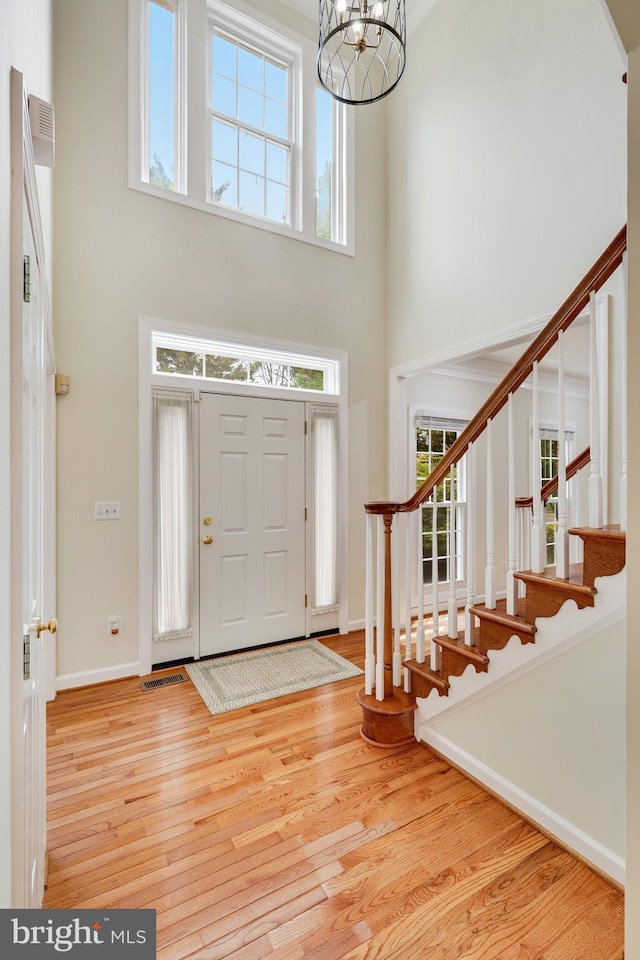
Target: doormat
[[226, 683]]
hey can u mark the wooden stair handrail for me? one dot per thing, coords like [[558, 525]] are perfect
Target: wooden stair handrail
[[603, 268], [551, 486]]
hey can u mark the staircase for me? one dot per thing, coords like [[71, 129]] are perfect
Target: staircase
[[407, 657], [604, 555]]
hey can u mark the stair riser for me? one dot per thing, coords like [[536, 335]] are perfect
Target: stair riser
[[495, 636], [421, 687], [544, 601], [602, 559], [454, 664]]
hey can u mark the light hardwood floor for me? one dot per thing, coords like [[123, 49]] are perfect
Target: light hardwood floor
[[275, 832]]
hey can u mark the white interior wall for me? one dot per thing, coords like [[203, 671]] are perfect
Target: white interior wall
[[506, 167], [121, 254], [25, 43], [559, 751]]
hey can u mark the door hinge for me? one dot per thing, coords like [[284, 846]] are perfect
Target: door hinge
[[306, 600], [306, 428], [26, 278], [26, 657], [306, 515]]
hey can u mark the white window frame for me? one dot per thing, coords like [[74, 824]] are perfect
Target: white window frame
[[448, 423], [255, 349], [192, 118]]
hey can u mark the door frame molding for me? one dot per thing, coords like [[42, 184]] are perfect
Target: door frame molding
[[148, 379]]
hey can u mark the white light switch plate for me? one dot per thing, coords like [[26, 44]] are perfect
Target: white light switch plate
[[106, 510]]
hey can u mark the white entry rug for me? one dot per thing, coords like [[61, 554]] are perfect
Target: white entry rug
[[226, 683]]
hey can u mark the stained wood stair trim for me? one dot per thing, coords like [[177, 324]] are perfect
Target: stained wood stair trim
[[605, 551], [500, 616], [611, 532], [546, 593], [424, 679], [548, 577], [387, 723], [456, 656]]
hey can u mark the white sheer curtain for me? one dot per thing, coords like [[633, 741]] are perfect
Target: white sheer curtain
[[173, 518], [324, 434]]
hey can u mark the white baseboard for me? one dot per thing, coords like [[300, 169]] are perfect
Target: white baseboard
[[85, 678], [604, 861], [356, 625]]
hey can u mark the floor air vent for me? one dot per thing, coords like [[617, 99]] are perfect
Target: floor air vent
[[163, 681]]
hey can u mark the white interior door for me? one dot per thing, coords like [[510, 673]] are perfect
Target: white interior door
[[252, 522], [29, 328]]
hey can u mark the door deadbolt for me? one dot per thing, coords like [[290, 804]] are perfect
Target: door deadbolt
[[207, 521]]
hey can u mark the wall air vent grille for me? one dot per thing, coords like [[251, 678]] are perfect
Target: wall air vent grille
[[42, 121]]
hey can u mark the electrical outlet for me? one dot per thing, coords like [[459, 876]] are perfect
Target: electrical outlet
[[106, 510]]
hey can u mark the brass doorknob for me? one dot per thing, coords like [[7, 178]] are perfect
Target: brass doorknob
[[207, 540], [52, 626]]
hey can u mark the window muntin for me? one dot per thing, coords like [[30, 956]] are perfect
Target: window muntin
[[251, 146], [264, 180], [434, 436], [186, 357]]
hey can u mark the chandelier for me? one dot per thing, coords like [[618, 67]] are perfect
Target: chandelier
[[362, 48]]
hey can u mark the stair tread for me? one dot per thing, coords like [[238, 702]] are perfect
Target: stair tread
[[571, 584], [500, 615], [610, 531], [464, 649], [436, 679]]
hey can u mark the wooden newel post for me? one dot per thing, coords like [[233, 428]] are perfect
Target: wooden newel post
[[388, 601], [387, 715]]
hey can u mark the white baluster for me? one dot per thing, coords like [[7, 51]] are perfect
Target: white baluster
[[369, 656], [397, 556], [537, 528], [452, 610], [512, 592], [380, 568], [435, 649], [623, 390], [469, 619], [523, 552], [490, 572], [408, 583], [420, 653], [562, 537], [595, 478]]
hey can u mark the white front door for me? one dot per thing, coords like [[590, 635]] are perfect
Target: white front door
[[29, 329], [252, 522]]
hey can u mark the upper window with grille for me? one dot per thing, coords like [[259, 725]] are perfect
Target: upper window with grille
[[230, 119], [251, 141]]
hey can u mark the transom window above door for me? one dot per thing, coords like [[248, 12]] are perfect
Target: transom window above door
[[212, 360]]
